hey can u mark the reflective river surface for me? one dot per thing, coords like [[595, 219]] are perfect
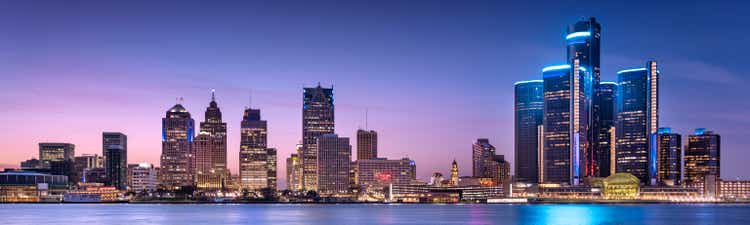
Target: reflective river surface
[[133, 214]]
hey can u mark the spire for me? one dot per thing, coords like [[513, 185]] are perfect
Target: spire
[[213, 95]]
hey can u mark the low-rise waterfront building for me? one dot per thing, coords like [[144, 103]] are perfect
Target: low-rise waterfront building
[[26, 186], [142, 178]]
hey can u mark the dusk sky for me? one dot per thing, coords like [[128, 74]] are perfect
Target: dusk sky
[[434, 75]]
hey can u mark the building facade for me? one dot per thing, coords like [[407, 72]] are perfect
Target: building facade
[[334, 160], [637, 122], [271, 177], [382, 172], [115, 152], [669, 157], [56, 151], [605, 99], [702, 157], [142, 178], [482, 152], [210, 147], [583, 44], [292, 173], [253, 151], [529, 115], [367, 144], [567, 119], [178, 131], [317, 120]]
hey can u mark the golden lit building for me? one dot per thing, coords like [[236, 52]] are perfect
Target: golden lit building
[[621, 186]]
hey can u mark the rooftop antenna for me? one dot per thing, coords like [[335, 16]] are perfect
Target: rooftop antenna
[[366, 119], [213, 95]]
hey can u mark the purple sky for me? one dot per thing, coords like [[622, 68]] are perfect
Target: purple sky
[[434, 75]]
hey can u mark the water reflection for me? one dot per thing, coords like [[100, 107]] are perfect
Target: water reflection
[[134, 214]]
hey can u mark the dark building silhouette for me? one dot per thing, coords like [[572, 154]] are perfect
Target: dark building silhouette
[[529, 115], [317, 120], [606, 96], [367, 144], [670, 157], [702, 157], [482, 152]]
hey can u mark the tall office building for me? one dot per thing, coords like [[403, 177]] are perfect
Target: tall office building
[[605, 97], [529, 114], [271, 177], [317, 120], [482, 152], [637, 122], [253, 151], [292, 173], [702, 157], [115, 149], [56, 151], [670, 157], [367, 144], [178, 130], [584, 44], [583, 41], [334, 157], [567, 108], [210, 147]]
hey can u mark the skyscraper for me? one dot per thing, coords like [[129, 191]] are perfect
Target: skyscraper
[[178, 130], [637, 121], [367, 144], [253, 151], [529, 114], [115, 149], [317, 120], [583, 41], [670, 157], [56, 151], [606, 96], [567, 107], [210, 147], [702, 157], [481, 153], [334, 157]]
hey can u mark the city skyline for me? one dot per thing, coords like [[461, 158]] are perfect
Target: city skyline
[[406, 126]]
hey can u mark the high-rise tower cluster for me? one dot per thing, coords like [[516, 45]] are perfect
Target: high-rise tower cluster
[[571, 126]]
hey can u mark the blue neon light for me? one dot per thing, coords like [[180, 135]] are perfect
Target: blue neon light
[[608, 82], [582, 69], [631, 70], [556, 67], [700, 131], [528, 81], [665, 130], [653, 156], [577, 35]]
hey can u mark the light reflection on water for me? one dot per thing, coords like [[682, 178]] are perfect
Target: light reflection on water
[[135, 214]]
